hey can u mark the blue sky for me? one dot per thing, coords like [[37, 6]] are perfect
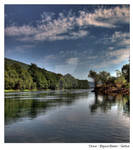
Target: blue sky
[[69, 38]]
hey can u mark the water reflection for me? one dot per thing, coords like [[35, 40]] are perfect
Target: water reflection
[[66, 116], [105, 103], [32, 104]]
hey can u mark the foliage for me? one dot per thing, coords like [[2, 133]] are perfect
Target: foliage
[[126, 72], [105, 80], [104, 76], [22, 76], [94, 76], [16, 77], [120, 82]]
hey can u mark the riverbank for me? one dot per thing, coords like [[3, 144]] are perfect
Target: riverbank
[[26, 90], [111, 90]]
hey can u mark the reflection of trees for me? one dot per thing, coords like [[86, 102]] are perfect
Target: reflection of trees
[[101, 102], [17, 108], [106, 102], [126, 104]]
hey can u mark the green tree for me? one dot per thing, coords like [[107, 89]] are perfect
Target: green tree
[[104, 77], [94, 76], [126, 72], [21, 76], [38, 77], [120, 82], [61, 83], [11, 79]]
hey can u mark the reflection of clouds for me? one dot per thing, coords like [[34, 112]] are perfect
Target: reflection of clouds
[[100, 98], [121, 118], [117, 104]]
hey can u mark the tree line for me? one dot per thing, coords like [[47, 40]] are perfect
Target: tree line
[[20, 76], [106, 83]]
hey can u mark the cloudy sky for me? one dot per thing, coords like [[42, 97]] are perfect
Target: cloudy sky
[[69, 38]]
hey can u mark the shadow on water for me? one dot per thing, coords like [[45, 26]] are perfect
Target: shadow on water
[[30, 105], [105, 103]]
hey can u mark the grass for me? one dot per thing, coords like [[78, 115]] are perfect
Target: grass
[[25, 90]]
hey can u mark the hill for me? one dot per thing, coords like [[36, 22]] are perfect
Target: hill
[[22, 76], [11, 62]]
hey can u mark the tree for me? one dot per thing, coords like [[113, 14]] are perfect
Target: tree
[[61, 84], [104, 76], [22, 76], [126, 72], [94, 76], [11, 79], [111, 81], [83, 84], [120, 81], [38, 76]]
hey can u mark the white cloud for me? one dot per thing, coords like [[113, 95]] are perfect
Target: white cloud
[[46, 16], [72, 61], [120, 55], [50, 29], [51, 36], [120, 36], [113, 58], [125, 42], [122, 39], [80, 33], [104, 17], [119, 52], [25, 30]]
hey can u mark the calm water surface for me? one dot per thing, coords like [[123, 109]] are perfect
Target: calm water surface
[[73, 116]]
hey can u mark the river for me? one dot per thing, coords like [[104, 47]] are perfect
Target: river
[[66, 116]]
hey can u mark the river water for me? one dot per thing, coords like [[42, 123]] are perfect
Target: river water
[[66, 116]]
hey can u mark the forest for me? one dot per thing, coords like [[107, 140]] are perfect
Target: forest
[[20, 76]]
